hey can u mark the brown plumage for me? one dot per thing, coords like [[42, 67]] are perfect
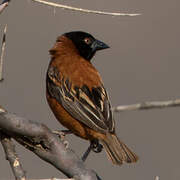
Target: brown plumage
[[77, 97]]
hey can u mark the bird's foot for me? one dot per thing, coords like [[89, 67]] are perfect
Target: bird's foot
[[61, 134], [96, 146]]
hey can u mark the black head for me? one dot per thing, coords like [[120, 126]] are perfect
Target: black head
[[86, 44]]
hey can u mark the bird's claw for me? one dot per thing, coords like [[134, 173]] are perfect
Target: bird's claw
[[62, 134], [96, 146]]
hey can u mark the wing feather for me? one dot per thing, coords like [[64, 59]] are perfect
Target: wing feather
[[90, 107]]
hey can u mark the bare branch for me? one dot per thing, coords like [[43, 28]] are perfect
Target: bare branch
[[148, 105], [2, 109], [157, 178], [3, 5], [12, 157], [40, 140], [51, 179], [83, 10], [2, 53]]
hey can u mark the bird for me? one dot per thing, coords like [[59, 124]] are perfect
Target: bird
[[77, 96]]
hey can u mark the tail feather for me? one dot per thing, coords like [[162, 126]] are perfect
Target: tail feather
[[117, 151]]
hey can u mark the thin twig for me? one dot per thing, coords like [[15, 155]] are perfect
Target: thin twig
[[2, 52], [2, 110], [157, 178], [148, 105], [12, 157], [83, 10], [3, 5]]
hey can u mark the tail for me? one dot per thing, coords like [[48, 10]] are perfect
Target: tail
[[117, 150]]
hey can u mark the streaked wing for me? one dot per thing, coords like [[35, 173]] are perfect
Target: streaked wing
[[90, 107]]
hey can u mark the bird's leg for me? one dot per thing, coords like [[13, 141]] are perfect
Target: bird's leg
[[86, 154], [94, 146]]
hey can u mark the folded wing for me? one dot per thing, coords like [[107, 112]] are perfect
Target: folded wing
[[89, 106]]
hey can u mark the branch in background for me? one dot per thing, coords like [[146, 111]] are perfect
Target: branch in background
[[12, 157], [3, 5], [83, 10], [2, 110], [148, 105], [40, 140], [2, 53], [157, 178], [51, 179]]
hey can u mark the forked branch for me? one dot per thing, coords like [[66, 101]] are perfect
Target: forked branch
[[40, 140]]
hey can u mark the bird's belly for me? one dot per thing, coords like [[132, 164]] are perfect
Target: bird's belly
[[68, 121]]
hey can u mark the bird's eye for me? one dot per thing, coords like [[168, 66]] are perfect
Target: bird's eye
[[87, 41]]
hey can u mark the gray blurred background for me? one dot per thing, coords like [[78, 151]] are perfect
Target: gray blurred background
[[142, 64]]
